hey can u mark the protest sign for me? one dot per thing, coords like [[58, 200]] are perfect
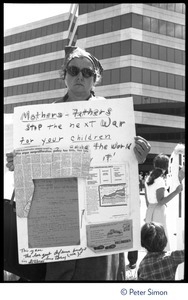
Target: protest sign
[[76, 180]]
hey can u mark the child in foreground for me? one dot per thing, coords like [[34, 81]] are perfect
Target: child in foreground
[[157, 264]]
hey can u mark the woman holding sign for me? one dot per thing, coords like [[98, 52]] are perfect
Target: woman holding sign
[[81, 71]]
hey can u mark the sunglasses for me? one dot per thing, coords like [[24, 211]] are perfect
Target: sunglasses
[[74, 71]]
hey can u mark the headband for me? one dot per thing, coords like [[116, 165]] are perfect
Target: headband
[[73, 52]]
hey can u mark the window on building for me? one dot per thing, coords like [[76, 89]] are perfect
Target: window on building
[[154, 25], [107, 51], [90, 29], [170, 81], [116, 25], [162, 79], [106, 77], [125, 74], [171, 6], [30, 87], [99, 28], [178, 31], [178, 82], [162, 53], [137, 21], [154, 78], [178, 57], [125, 47], [116, 49], [162, 27], [154, 51], [136, 48], [107, 25], [115, 76], [136, 75], [170, 54], [98, 52], [170, 29], [43, 31], [146, 76], [146, 49], [82, 31], [146, 23], [41, 86], [126, 21]]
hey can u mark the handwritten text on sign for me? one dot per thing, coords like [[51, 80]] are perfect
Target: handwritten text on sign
[[102, 126]]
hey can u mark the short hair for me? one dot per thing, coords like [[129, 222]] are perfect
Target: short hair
[[153, 237], [161, 161]]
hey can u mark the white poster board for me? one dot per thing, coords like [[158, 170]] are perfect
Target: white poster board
[[76, 180]]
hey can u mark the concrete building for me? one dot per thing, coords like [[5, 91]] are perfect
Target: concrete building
[[140, 46]]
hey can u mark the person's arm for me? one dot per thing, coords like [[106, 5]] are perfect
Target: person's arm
[[162, 199], [146, 198]]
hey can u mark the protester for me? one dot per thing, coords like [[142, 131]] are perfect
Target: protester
[[155, 196], [81, 71], [157, 264]]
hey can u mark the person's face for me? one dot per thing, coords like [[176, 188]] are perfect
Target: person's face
[[80, 85]]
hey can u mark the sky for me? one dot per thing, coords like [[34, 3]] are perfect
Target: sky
[[16, 14]]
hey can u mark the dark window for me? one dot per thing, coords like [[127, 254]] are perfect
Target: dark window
[[116, 49], [41, 86], [170, 81], [126, 21], [115, 76], [154, 78], [98, 52], [43, 31], [106, 77], [136, 75], [146, 76], [107, 51], [136, 48], [82, 31], [178, 82], [154, 25], [154, 51], [91, 29], [125, 47], [162, 53], [116, 23], [125, 74], [98, 28], [171, 6], [170, 29], [137, 21], [107, 25], [146, 49], [178, 57], [162, 79], [146, 23], [178, 31], [170, 54], [162, 27]]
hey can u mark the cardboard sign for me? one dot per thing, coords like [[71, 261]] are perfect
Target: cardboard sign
[[76, 180]]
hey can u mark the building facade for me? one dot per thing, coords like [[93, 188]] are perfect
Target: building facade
[[140, 46]]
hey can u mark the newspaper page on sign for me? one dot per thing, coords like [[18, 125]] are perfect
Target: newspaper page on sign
[[76, 180]]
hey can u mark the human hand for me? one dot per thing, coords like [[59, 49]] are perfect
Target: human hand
[[141, 149], [10, 163], [181, 174], [179, 188]]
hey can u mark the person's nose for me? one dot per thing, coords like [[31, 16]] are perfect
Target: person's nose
[[80, 76]]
